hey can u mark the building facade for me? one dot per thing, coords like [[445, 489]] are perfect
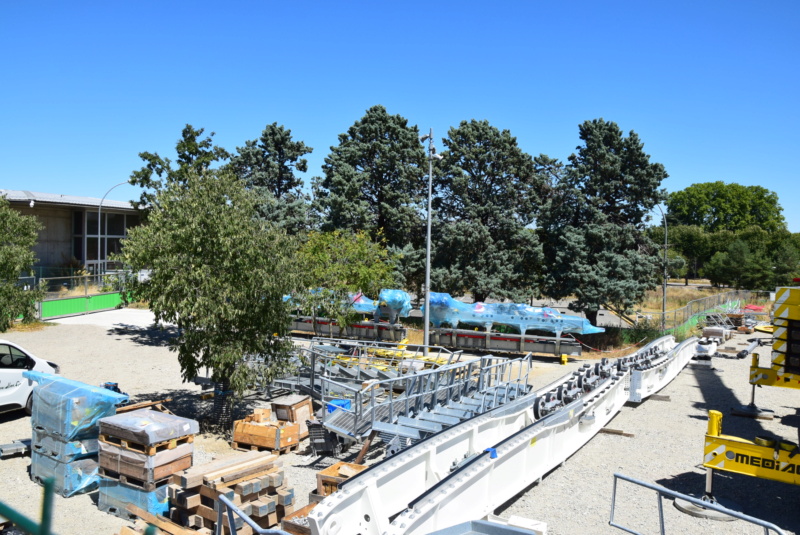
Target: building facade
[[71, 235]]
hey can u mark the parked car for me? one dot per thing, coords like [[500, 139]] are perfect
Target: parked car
[[16, 392]]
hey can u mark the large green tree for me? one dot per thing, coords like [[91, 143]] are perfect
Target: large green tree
[[268, 166], [593, 225], [488, 196], [195, 155], [218, 273], [374, 180], [716, 206], [18, 235]]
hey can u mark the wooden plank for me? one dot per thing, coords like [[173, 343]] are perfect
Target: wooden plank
[[618, 432], [193, 477], [265, 475], [256, 464], [364, 448], [160, 522], [145, 404]]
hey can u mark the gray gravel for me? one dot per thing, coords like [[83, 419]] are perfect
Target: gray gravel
[[666, 448]]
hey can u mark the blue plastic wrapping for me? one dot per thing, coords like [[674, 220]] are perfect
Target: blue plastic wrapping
[[445, 309], [67, 409], [52, 446], [115, 496], [397, 300], [70, 478], [362, 304]]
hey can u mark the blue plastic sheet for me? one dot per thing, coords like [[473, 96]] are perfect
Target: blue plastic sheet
[[69, 410], [445, 309], [62, 451], [397, 300], [362, 304], [114, 498], [70, 478]]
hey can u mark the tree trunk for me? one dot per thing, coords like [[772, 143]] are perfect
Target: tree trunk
[[222, 413], [591, 315]]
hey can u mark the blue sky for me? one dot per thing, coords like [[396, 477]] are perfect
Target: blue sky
[[710, 87]]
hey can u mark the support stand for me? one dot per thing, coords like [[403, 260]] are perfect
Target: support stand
[[701, 512]]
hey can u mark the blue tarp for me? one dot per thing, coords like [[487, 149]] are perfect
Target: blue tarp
[[69, 410], [445, 309], [70, 478]]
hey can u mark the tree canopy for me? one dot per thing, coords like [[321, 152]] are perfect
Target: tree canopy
[[715, 206], [218, 273], [593, 224], [195, 154], [18, 235], [267, 165], [487, 200], [374, 179]]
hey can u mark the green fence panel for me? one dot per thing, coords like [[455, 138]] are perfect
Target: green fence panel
[[103, 302], [64, 307]]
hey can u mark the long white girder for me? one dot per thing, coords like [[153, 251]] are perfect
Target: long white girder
[[365, 503]]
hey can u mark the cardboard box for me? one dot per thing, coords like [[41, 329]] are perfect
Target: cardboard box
[[296, 409]]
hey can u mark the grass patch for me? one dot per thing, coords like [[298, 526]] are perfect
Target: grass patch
[[677, 297], [29, 326]]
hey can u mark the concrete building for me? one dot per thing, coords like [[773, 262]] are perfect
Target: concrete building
[[70, 230]]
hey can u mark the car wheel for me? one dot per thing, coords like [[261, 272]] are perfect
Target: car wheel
[[29, 405]]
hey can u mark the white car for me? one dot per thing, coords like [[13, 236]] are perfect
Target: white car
[[16, 392]]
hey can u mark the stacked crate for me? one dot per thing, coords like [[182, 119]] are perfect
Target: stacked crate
[[294, 408], [139, 452], [64, 439], [257, 432], [254, 481], [786, 330]]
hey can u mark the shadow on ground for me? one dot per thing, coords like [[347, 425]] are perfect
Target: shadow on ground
[[154, 335]]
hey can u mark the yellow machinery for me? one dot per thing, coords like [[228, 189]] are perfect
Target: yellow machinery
[[763, 457]]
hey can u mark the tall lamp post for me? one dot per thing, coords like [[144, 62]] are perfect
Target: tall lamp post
[[100, 228], [426, 316], [664, 295]]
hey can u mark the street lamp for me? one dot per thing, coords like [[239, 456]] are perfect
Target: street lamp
[[664, 296], [100, 227], [426, 317]]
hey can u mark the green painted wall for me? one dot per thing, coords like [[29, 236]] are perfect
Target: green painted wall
[[79, 305]]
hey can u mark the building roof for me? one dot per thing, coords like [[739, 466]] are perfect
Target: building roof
[[56, 199]]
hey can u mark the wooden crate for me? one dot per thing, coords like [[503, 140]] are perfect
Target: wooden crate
[[328, 480], [290, 525], [265, 435], [294, 408]]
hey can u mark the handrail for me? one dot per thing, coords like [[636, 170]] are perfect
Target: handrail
[[661, 491]]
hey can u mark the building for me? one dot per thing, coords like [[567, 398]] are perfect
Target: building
[[70, 231]]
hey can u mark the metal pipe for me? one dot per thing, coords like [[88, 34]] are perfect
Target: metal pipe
[[664, 296], [100, 226], [426, 317]]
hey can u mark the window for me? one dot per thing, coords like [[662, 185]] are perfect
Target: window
[[12, 358]]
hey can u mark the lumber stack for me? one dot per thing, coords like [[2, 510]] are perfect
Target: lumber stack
[[258, 433], [139, 452], [254, 481]]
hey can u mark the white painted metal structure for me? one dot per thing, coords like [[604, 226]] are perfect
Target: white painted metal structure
[[429, 483]]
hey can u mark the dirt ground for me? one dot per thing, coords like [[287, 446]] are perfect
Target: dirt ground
[[124, 347]]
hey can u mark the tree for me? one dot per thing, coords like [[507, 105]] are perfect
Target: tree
[[340, 263], [592, 227], [488, 198], [375, 180], [218, 273], [18, 235], [267, 166], [716, 206], [691, 242], [195, 155]]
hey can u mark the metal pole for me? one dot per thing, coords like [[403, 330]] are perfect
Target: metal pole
[[100, 226], [427, 314], [664, 296]]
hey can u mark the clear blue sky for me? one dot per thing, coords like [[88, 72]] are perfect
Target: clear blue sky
[[710, 87]]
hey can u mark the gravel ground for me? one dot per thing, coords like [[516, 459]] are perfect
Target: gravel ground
[[666, 448]]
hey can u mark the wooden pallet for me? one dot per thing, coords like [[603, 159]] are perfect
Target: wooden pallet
[[143, 484], [241, 446], [147, 449]]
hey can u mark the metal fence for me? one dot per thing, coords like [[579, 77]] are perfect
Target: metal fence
[[81, 294], [694, 311]]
